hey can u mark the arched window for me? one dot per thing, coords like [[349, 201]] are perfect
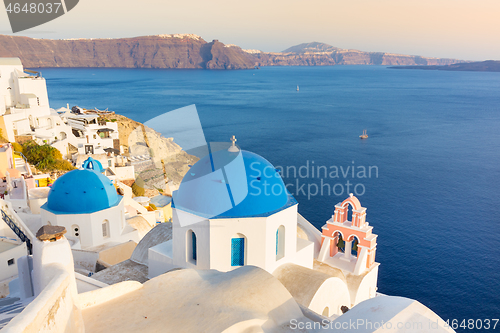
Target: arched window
[[193, 241], [238, 250], [354, 247], [191, 247], [280, 242], [341, 244], [349, 212]]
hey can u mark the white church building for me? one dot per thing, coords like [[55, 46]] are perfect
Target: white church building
[[221, 222], [87, 204], [232, 209]]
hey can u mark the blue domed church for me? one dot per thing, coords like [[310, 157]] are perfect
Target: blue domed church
[[232, 209], [87, 204]]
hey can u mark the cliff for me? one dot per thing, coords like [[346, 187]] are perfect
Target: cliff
[[480, 66], [175, 160], [187, 51], [320, 54], [162, 51]]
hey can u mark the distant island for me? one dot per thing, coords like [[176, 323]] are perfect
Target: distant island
[[479, 66], [188, 51]]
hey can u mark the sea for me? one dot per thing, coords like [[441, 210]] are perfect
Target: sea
[[429, 173]]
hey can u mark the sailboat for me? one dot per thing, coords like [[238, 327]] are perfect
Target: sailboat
[[364, 135], [297, 88]]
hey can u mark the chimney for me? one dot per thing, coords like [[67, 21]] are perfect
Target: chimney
[[51, 247]]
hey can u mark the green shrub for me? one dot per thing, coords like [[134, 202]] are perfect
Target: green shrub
[[17, 147], [63, 165], [44, 157]]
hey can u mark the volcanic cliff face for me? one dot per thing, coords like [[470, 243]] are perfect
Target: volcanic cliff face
[[320, 54], [478, 66], [162, 51], [219, 56], [187, 51]]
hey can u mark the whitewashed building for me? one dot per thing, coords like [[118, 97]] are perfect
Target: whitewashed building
[[86, 203], [24, 104], [11, 248], [25, 111], [232, 209]]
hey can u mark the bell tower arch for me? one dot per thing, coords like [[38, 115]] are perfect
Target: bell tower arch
[[349, 245]]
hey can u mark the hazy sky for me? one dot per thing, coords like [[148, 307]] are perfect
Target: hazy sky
[[464, 29]]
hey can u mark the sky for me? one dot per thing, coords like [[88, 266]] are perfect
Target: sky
[[461, 29]]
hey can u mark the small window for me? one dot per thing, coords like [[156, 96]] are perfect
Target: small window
[[76, 230], [109, 162], [194, 246], [280, 242], [105, 229], [191, 247], [10, 262]]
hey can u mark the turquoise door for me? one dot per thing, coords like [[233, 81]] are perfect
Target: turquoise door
[[237, 251]]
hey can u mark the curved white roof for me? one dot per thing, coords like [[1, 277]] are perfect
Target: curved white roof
[[10, 62]]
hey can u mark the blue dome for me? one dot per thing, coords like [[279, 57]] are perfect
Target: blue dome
[[232, 184], [82, 192]]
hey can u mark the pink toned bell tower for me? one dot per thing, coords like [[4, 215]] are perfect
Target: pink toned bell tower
[[339, 234]]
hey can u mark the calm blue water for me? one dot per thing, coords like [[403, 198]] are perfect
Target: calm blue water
[[434, 137]]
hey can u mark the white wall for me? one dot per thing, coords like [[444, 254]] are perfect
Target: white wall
[[365, 289], [333, 293], [55, 288], [35, 204], [160, 259], [85, 259], [202, 232], [15, 253], [7, 80], [125, 172], [36, 86], [287, 218], [90, 225], [223, 230], [214, 241]]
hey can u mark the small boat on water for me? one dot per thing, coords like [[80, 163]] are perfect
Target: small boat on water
[[364, 135], [297, 88]]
